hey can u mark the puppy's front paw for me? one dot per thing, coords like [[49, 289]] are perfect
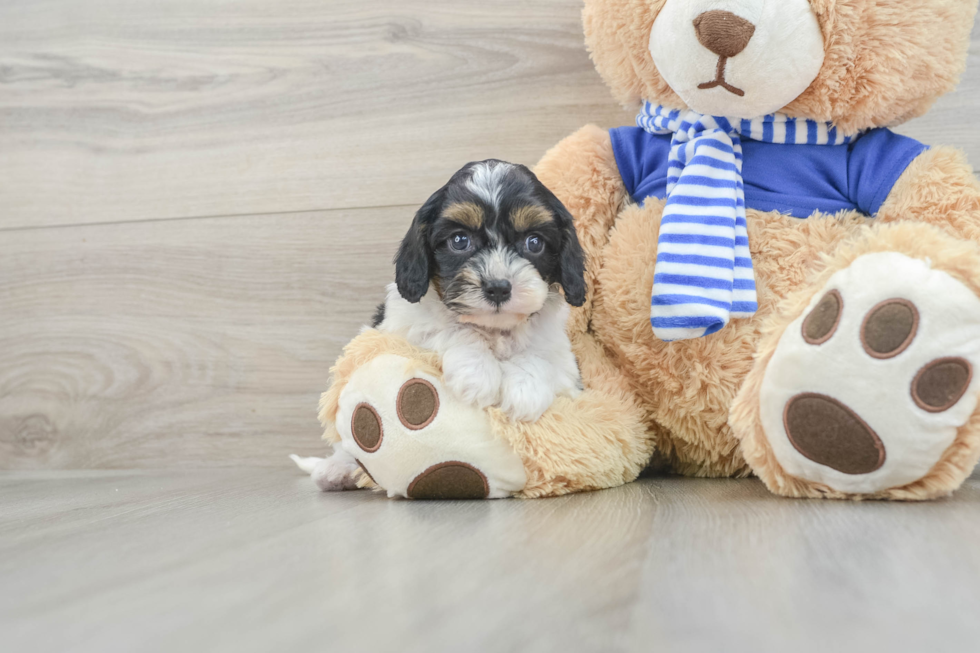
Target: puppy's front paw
[[472, 377], [524, 396]]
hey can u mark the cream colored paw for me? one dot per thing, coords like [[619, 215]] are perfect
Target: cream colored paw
[[418, 441], [524, 397], [868, 387], [474, 377]]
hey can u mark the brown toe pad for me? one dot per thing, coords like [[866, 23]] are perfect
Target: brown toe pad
[[417, 404], [366, 428], [889, 328], [450, 480], [941, 384], [829, 433], [822, 322]]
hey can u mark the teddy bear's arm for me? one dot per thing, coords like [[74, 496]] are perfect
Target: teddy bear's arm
[[938, 188], [581, 171]]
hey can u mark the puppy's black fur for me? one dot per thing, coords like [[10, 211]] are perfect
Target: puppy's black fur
[[426, 255], [379, 316]]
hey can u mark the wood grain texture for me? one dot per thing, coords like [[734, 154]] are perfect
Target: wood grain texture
[[188, 343], [258, 560], [119, 110]]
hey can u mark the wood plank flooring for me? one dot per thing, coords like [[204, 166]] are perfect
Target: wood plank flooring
[[259, 560]]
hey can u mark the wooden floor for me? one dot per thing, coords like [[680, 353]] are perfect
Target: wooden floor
[[257, 560], [199, 200]]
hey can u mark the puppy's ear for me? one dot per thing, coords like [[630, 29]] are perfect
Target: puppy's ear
[[572, 262], [571, 258], [413, 263]]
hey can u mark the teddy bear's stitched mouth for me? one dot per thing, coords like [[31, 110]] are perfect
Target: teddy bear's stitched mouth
[[719, 79]]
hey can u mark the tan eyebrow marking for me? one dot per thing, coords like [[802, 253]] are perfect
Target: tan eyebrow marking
[[467, 214], [530, 216]]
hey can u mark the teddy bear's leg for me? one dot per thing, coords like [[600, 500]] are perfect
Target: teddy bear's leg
[[388, 409], [595, 441], [416, 440], [866, 383]]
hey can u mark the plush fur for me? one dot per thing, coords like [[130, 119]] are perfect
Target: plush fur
[[595, 441], [693, 407], [362, 350]]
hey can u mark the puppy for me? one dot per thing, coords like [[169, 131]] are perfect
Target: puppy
[[478, 279]]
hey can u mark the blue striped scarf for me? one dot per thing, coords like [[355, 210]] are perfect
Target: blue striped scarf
[[704, 275]]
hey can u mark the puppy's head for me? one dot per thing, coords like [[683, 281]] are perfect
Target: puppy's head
[[493, 242]]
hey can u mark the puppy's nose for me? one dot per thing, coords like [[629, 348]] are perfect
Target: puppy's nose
[[723, 32], [497, 291]]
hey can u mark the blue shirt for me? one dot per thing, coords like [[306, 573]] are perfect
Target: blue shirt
[[793, 179]]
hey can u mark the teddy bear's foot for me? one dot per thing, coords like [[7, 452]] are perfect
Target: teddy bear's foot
[[415, 440], [873, 383]]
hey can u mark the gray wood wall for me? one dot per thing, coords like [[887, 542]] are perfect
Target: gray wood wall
[[199, 199]]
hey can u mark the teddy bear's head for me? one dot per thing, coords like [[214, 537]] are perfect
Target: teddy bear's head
[[856, 63]]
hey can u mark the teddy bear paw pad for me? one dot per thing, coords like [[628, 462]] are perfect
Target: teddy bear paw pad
[[417, 404], [452, 480], [366, 428], [415, 440], [868, 388]]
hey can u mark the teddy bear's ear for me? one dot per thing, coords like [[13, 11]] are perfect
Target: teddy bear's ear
[[886, 61], [413, 261], [617, 34]]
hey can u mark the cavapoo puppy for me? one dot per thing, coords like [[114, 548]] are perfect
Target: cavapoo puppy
[[478, 279]]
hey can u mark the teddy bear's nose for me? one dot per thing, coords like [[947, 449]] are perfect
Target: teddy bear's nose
[[723, 32]]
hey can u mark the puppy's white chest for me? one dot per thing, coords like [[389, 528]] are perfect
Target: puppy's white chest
[[505, 345]]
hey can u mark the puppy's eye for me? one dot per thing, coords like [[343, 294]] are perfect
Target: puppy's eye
[[534, 244], [459, 242]]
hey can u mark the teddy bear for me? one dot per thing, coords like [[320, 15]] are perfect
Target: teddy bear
[[777, 284]]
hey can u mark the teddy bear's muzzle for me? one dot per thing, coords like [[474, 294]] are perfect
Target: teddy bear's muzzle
[[762, 54], [723, 32], [726, 35]]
